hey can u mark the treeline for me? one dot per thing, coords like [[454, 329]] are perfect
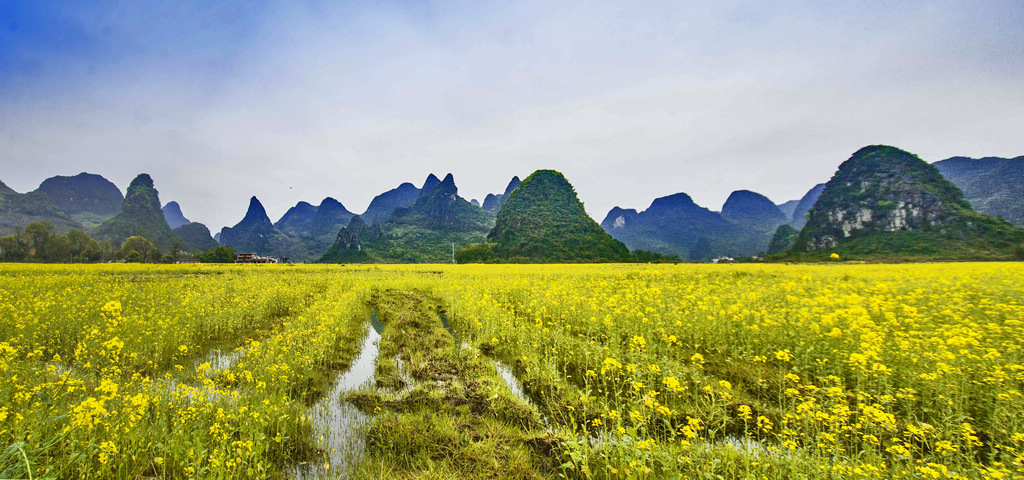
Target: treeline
[[39, 242]]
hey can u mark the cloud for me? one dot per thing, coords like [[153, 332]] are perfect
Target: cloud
[[631, 101]]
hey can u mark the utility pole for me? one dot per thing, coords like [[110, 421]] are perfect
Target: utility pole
[[453, 253]]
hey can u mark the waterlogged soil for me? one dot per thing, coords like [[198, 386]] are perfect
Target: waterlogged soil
[[338, 426], [220, 360], [448, 326], [510, 380], [439, 410], [417, 402]]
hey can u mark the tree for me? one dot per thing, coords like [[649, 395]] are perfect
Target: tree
[[784, 238], [175, 253], [57, 249], [81, 243], [220, 254], [12, 249], [145, 250], [37, 234], [644, 256], [91, 252], [107, 252]]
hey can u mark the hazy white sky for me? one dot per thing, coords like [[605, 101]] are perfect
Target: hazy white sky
[[631, 100]]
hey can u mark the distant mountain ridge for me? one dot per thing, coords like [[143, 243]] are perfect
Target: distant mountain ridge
[[382, 205], [173, 215], [675, 225], [19, 209], [799, 217], [752, 210], [82, 201], [992, 185], [330, 216], [312, 229], [441, 209], [493, 202], [348, 246], [427, 230], [788, 208], [297, 219], [195, 237], [429, 185], [415, 224], [88, 198]]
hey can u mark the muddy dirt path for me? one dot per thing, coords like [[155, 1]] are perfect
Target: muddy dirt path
[[438, 408]]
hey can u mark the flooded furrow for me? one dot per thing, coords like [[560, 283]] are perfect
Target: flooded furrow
[[208, 367], [337, 424], [219, 360], [510, 380], [516, 387], [504, 371], [408, 382], [448, 326]]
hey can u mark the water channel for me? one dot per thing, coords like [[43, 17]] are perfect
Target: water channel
[[338, 425]]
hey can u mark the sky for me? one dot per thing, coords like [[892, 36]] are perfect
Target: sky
[[296, 101]]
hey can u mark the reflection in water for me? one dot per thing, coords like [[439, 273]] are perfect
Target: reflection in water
[[361, 370], [407, 380], [220, 360], [513, 384], [448, 326], [746, 445], [376, 323], [510, 380], [214, 363], [337, 425]]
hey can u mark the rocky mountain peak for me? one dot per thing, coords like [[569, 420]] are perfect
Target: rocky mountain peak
[[799, 217], [383, 205], [5, 190], [671, 204], [429, 185], [329, 204], [256, 213], [141, 215], [882, 189]]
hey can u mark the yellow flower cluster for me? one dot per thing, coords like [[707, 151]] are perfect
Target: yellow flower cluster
[[866, 370]]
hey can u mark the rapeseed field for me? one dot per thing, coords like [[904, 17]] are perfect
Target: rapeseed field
[[531, 371]]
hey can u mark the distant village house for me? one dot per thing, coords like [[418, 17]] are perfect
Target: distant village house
[[253, 258]]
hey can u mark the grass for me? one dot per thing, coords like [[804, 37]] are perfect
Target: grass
[[458, 420]]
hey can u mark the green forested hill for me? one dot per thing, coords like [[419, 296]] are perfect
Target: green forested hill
[[887, 203], [544, 221], [140, 215], [88, 198], [18, 210]]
